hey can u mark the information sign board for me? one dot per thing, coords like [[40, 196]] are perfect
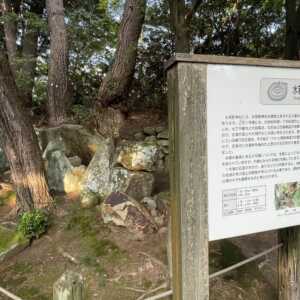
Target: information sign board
[[253, 149]]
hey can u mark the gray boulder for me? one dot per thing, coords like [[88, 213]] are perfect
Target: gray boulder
[[57, 166], [76, 140], [138, 156], [135, 184], [98, 174]]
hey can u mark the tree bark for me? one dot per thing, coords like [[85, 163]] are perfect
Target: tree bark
[[29, 54], [10, 32], [292, 29], [116, 84], [180, 19], [58, 94], [25, 67], [21, 146], [178, 12]]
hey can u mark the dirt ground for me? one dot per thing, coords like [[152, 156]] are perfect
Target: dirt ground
[[118, 265]]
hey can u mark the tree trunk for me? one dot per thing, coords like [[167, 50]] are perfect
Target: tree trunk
[[180, 24], [29, 54], [289, 264], [116, 84], [10, 32], [292, 29], [24, 68], [58, 95], [21, 146]]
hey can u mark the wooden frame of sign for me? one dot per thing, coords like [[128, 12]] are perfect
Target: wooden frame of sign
[[187, 94]]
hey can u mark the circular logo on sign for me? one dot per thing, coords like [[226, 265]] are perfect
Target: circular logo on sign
[[278, 91]]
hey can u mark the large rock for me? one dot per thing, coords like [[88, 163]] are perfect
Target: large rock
[[122, 210], [109, 122], [76, 140], [138, 156], [54, 145], [57, 167], [135, 184], [98, 174]]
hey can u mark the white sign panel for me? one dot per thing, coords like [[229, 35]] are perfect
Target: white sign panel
[[253, 149]]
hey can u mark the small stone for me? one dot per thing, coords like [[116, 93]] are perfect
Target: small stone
[[139, 136], [163, 143], [150, 130], [149, 202], [150, 139], [164, 135], [165, 150], [159, 129], [75, 161]]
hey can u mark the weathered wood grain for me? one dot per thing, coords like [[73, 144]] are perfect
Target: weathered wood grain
[[188, 131], [231, 60], [289, 264]]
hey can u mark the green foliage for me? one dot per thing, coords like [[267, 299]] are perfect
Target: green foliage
[[92, 38], [81, 113], [244, 28], [35, 22], [33, 224]]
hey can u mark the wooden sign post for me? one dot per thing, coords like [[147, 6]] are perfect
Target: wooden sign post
[[187, 127], [234, 128]]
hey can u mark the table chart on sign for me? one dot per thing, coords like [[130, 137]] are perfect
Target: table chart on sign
[[244, 200]]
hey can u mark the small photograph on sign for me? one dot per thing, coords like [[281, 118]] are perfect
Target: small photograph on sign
[[287, 195]]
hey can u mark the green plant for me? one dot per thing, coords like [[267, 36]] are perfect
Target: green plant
[[33, 224]]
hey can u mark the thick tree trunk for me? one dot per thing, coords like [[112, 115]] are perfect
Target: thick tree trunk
[[29, 54], [27, 71], [21, 146], [22, 64], [117, 82], [292, 29], [58, 94], [180, 24], [10, 32]]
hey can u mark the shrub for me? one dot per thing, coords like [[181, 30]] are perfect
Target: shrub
[[33, 224]]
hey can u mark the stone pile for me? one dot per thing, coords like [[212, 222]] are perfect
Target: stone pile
[[160, 136], [98, 171]]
